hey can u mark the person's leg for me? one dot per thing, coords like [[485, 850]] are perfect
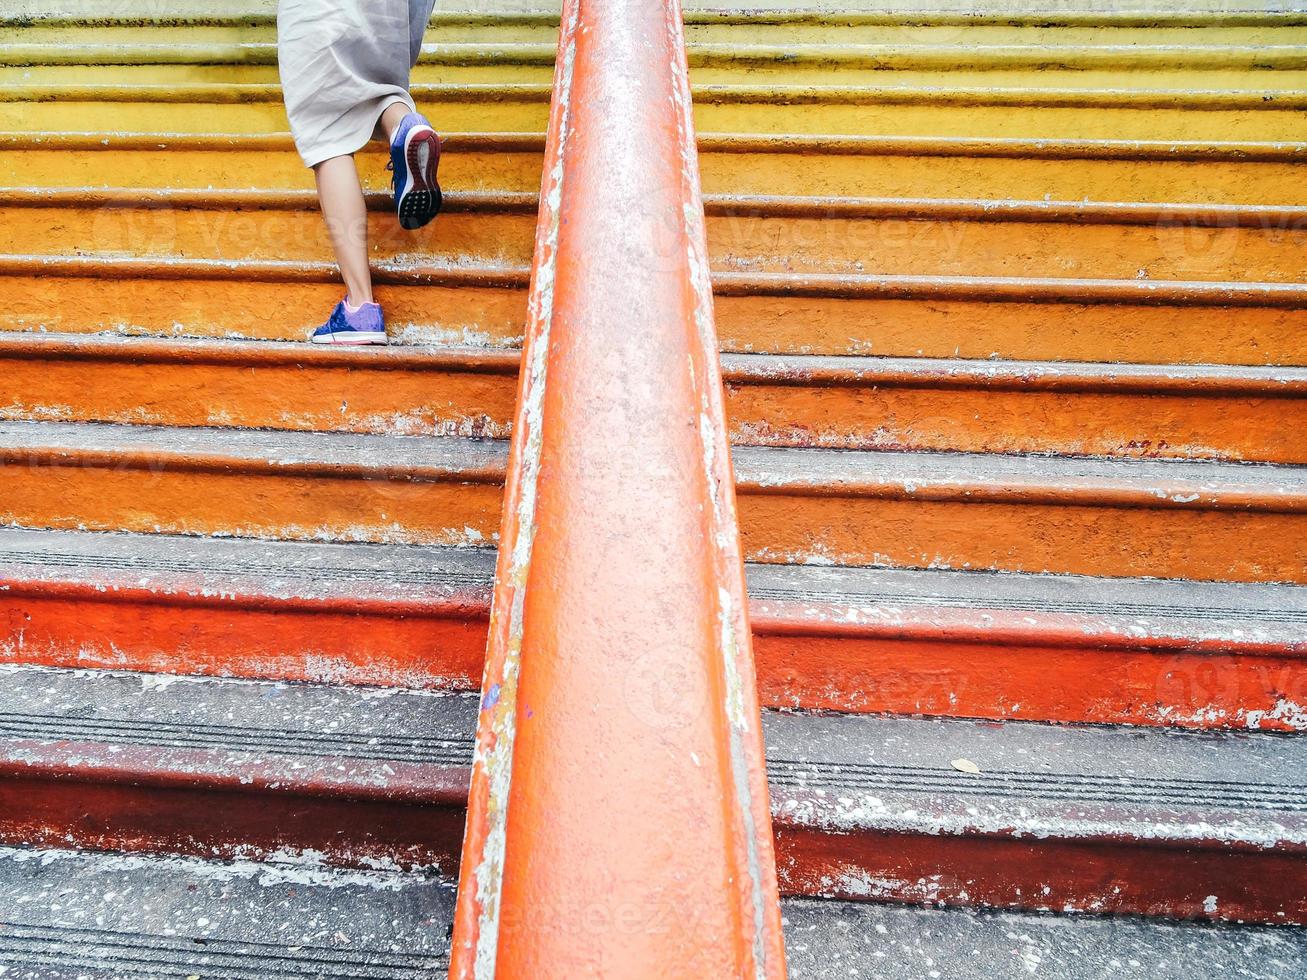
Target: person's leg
[[357, 319], [392, 117], [346, 215]]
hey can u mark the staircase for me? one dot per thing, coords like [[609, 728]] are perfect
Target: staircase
[[1010, 309]]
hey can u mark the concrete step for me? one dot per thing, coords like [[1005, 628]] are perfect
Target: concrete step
[[250, 921], [386, 615], [103, 916], [961, 644], [1056, 648], [755, 237], [842, 939], [1043, 818], [361, 777], [1012, 318], [1137, 651], [1229, 173], [1119, 820], [1234, 413], [258, 484], [1116, 518], [1016, 407], [301, 387]]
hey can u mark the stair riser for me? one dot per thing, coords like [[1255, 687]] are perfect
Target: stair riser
[[963, 174], [1132, 878], [372, 397], [973, 328], [530, 115], [436, 645], [231, 169], [438, 314], [1101, 539], [793, 29], [1202, 687], [1002, 122], [830, 245], [268, 117], [1050, 682], [135, 496], [980, 419], [65, 812], [924, 327], [1123, 877], [844, 245], [1108, 540], [969, 173], [376, 393], [495, 239]]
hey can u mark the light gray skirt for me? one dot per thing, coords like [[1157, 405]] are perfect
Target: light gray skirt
[[342, 63]]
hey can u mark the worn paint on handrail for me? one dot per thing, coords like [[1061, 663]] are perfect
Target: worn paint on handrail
[[618, 822]]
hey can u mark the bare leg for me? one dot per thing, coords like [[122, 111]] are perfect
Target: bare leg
[[392, 117], [340, 194], [346, 215]]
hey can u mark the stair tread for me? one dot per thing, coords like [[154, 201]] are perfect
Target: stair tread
[[1217, 610], [107, 915], [834, 772], [1235, 612], [244, 566], [816, 368], [737, 367], [769, 469], [138, 348], [1162, 482], [334, 722], [451, 455], [864, 772], [827, 939]]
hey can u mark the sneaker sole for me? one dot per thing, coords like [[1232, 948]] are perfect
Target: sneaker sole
[[347, 340], [421, 199]]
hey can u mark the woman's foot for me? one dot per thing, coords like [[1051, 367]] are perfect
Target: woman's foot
[[352, 325], [414, 157]]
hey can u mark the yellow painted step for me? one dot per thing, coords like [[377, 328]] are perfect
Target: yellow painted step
[[874, 168]]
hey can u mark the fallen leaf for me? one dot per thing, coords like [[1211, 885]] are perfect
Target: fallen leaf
[[966, 765]]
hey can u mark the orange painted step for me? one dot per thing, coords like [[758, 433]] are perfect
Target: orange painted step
[[1164, 519], [1027, 238], [1019, 319], [479, 229], [300, 387], [969, 406], [427, 302], [1167, 519], [244, 483], [1004, 169], [952, 644], [1019, 407], [790, 235]]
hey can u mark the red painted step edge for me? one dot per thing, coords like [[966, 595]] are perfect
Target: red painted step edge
[[997, 664]]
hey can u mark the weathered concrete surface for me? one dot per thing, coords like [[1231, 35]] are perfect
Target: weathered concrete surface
[[829, 940], [104, 917]]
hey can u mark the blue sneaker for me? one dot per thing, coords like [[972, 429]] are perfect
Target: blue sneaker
[[414, 157], [365, 325]]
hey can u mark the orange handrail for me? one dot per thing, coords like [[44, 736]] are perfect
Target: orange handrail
[[618, 822]]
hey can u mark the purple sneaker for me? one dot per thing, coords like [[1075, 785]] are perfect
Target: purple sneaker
[[414, 157], [365, 325]]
